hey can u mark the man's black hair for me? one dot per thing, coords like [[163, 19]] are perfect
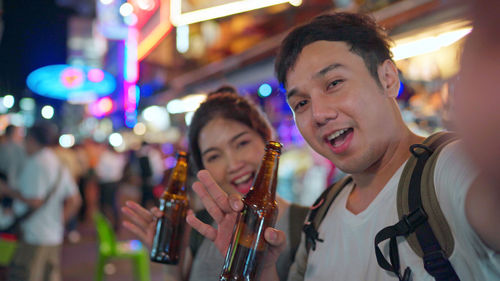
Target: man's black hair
[[360, 32]]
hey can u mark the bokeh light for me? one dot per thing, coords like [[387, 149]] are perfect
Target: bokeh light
[[67, 140], [47, 112], [115, 139], [265, 90]]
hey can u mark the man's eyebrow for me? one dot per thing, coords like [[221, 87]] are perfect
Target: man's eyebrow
[[291, 93], [327, 69], [320, 73]]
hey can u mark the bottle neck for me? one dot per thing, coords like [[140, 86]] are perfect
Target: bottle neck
[[264, 186], [177, 181]]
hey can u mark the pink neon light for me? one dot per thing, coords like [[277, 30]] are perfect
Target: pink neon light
[[72, 77], [129, 97], [95, 75], [131, 63]]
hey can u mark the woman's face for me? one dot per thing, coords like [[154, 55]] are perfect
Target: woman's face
[[231, 152]]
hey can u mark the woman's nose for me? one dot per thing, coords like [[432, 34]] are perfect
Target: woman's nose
[[234, 161]]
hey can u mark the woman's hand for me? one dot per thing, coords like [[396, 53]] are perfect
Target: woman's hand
[[141, 222], [224, 210], [217, 203]]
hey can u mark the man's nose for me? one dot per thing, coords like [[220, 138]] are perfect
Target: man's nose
[[322, 111]]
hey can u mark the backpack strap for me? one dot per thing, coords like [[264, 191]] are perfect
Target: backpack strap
[[296, 219], [421, 220], [319, 210]]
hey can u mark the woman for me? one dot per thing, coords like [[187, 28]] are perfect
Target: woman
[[227, 138]]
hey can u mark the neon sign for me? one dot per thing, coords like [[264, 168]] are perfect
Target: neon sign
[[72, 83], [180, 15]]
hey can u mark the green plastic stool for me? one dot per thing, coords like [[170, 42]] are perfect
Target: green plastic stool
[[8, 245], [110, 248]]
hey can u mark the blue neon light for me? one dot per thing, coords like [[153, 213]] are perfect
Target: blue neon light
[[47, 81]]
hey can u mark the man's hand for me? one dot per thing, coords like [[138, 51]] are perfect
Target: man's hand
[[4, 188]]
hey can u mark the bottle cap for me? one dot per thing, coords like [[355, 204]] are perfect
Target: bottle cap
[[274, 145], [181, 153]]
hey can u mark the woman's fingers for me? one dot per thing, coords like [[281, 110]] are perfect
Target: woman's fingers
[[137, 231], [235, 202], [137, 218], [218, 195], [277, 242], [156, 212], [209, 203], [141, 211], [206, 230]]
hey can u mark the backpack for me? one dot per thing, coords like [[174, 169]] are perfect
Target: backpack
[[422, 222]]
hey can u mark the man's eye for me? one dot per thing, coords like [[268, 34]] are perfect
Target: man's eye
[[335, 83], [299, 105]]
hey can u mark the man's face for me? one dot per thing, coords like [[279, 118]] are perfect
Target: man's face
[[338, 106]]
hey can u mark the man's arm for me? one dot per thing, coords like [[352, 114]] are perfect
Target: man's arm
[[71, 206], [31, 202], [482, 208]]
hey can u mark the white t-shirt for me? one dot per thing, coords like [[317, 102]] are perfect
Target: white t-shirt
[[38, 177], [348, 252]]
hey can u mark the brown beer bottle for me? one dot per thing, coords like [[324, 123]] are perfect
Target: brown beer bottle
[[247, 249], [174, 205]]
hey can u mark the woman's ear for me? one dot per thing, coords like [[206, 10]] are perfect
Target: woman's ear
[[389, 78]]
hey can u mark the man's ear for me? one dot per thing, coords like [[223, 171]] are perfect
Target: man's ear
[[389, 78]]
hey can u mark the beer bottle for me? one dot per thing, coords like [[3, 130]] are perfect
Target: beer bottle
[[174, 205], [247, 248]]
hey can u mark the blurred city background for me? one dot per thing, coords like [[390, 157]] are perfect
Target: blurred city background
[[121, 79]]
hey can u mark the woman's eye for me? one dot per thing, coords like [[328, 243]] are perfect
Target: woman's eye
[[243, 143], [212, 158]]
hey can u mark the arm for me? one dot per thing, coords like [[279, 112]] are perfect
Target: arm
[[482, 208], [31, 202], [71, 206]]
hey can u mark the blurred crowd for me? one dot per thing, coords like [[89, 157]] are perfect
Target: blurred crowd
[[105, 178]]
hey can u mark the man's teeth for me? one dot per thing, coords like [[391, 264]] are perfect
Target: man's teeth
[[336, 134], [243, 179]]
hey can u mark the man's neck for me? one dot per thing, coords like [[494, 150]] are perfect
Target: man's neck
[[370, 182]]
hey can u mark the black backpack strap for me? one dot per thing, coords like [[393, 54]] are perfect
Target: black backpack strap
[[416, 213], [319, 210]]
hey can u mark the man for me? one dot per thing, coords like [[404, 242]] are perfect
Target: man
[[12, 154], [341, 86], [47, 186]]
